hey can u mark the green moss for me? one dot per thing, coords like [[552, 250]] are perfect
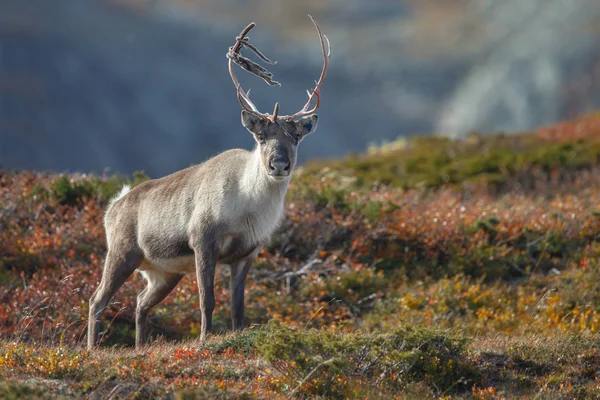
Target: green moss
[[240, 342], [402, 356]]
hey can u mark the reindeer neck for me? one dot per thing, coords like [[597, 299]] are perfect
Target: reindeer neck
[[255, 180]]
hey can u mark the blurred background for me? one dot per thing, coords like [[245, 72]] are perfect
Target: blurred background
[[87, 85]]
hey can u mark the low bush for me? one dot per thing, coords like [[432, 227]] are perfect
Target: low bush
[[330, 364]]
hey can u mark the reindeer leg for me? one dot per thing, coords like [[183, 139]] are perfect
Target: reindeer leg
[[117, 268], [160, 284], [206, 260], [239, 271]]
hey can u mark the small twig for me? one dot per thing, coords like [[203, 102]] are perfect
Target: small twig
[[134, 393], [318, 311], [293, 274], [515, 266], [111, 321], [366, 298], [37, 214], [70, 325], [39, 309], [537, 305], [63, 280], [308, 266], [539, 260], [310, 374], [507, 240], [108, 378], [116, 390], [389, 369], [82, 331], [31, 318], [369, 365], [535, 241]]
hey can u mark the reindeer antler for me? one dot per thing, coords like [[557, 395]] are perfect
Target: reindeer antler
[[234, 56], [248, 65], [316, 92]]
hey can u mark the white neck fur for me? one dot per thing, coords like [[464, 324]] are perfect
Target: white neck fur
[[256, 181]]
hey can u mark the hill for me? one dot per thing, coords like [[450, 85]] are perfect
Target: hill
[[143, 84], [422, 269]]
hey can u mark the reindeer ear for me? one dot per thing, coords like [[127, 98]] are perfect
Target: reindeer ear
[[306, 125], [252, 122]]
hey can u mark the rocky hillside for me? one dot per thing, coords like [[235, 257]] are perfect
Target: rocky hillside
[[140, 84]]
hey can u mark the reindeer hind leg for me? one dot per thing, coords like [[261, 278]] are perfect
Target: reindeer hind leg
[[160, 284], [118, 267]]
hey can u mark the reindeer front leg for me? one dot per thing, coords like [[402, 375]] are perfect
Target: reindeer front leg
[[206, 255], [239, 270]]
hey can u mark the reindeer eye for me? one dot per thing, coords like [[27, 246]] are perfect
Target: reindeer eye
[[260, 138]]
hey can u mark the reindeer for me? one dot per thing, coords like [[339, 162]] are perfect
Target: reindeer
[[220, 212]]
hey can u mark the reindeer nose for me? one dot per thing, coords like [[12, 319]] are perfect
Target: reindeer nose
[[279, 166]]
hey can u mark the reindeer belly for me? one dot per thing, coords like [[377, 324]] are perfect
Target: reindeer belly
[[179, 257], [234, 248], [177, 265], [167, 255]]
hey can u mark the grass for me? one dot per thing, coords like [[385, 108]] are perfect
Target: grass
[[422, 269], [276, 361]]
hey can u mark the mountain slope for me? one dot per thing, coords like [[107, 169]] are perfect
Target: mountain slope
[[136, 84]]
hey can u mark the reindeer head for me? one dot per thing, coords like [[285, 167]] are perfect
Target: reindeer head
[[278, 140], [277, 137]]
